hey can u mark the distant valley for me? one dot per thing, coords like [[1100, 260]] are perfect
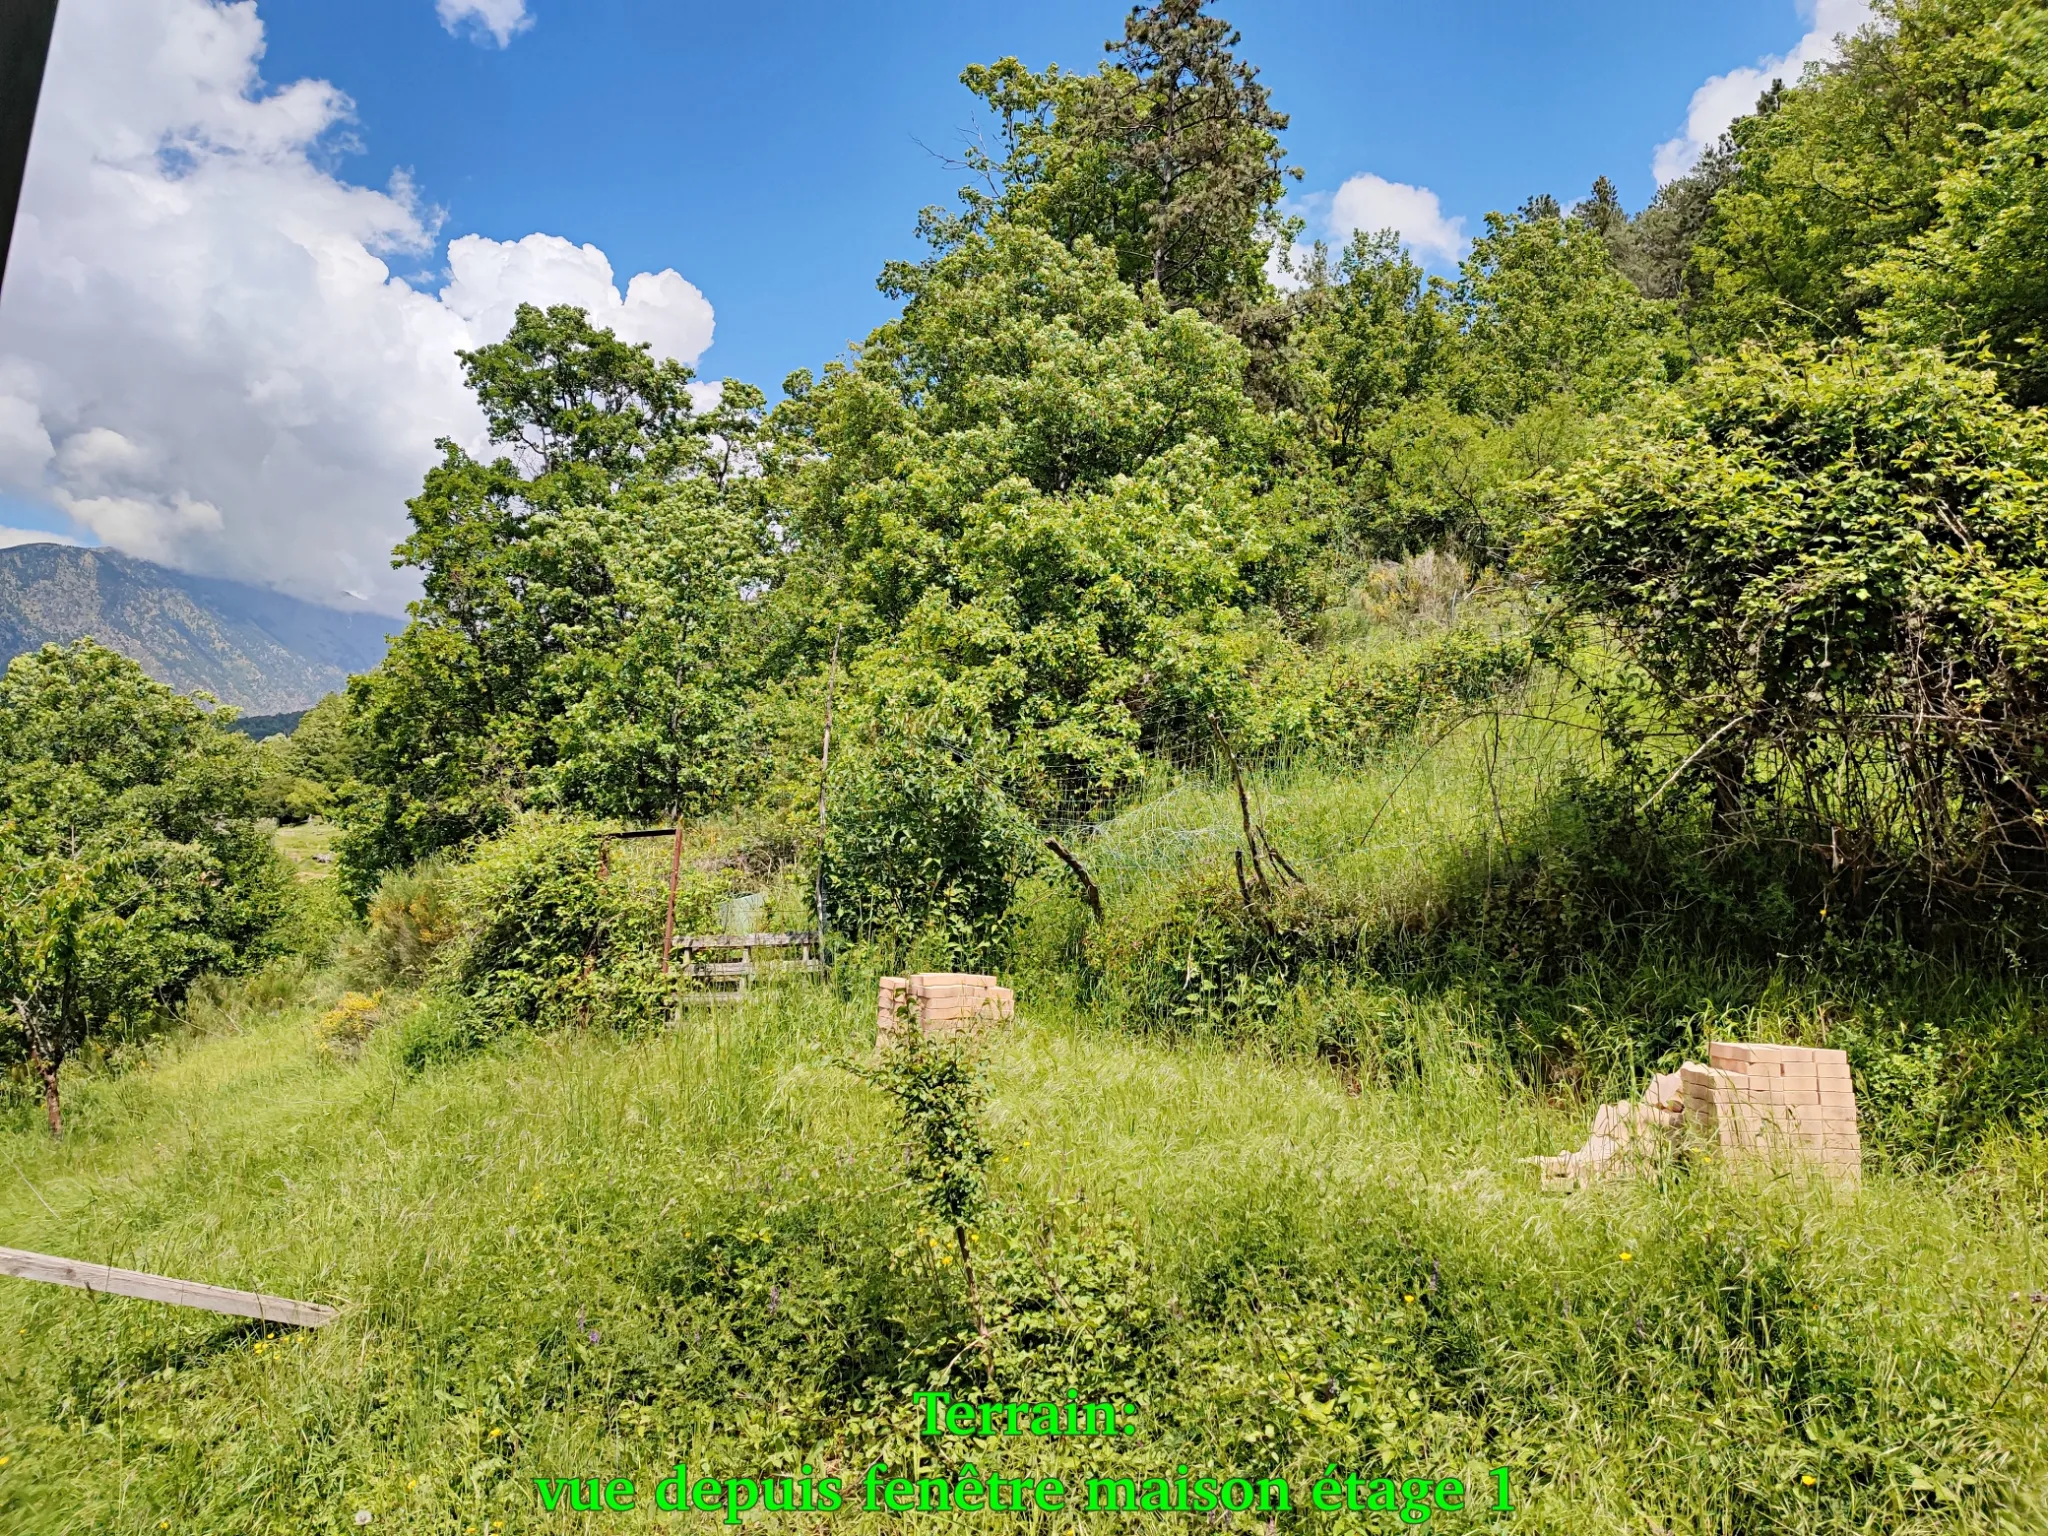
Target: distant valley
[[260, 651]]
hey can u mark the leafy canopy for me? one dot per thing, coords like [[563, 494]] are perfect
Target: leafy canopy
[[130, 861], [575, 643], [1975, 280], [1168, 156], [1036, 494]]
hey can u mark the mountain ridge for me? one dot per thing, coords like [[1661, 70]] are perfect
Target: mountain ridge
[[261, 651]]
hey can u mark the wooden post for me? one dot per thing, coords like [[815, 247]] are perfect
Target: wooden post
[[1089, 892], [1244, 808], [675, 874]]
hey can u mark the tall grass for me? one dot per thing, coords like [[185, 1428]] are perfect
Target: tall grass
[[1499, 881], [595, 1255], [1266, 1182]]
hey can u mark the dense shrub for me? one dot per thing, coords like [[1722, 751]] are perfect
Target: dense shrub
[[130, 859], [924, 844], [1826, 568], [409, 918], [547, 935]]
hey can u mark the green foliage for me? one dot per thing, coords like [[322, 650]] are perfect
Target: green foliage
[[1377, 334], [547, 936], [923, 845], [1834, 171], [308, 773], [583, 410], [1545, 315], [1033, 499], [1828, 569], [410, 917], [1169, 157], [1654, 248], [1436, 404], [283, 794], [323, 744], [1975, 280], [129, 859], [941, 1110], [1347, 704], [577, 641], [1429, 477]]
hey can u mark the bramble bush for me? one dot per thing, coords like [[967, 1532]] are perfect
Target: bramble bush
[[544, 935], [1826, 568]]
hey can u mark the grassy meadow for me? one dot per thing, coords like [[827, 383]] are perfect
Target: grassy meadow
[[1304, 1241]]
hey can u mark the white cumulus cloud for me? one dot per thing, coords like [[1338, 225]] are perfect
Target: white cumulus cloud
[[1724, 98], [491, 278], [9, 537], [499, 20], [1370, 203], [205, 357]]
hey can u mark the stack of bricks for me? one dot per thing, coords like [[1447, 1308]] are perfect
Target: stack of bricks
[[941, 1003], [1776, 1103], [1771, 1104]]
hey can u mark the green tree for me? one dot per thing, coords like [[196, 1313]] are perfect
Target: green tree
[[1976, 280], [575, 641], [1833, 171], [924, 845], [1436, 403], [582, 410], [1169, 156], [1654, 247], [1378, 334], [129, 857], [1546, 315], [1828, 568], [1034, 500], [323, 745]]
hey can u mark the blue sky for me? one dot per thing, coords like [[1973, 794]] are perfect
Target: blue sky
[[254, 234], [777, 155]]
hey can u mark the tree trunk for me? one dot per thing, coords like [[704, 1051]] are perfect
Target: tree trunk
[[988, 1349], [1728, 773]]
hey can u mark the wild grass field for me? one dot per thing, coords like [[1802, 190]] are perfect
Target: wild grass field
[[1301, 1241], [1371, 719]]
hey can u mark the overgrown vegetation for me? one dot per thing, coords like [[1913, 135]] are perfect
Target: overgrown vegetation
[[1370, 718], [130, 862]]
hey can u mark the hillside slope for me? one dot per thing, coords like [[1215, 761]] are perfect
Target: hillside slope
[[592, 1255], [259, 651]]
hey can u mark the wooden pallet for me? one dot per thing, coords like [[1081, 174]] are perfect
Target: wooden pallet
[[729, 981]]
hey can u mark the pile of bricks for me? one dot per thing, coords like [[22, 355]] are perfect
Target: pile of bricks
[[1775, 1102], [1761, 1104], [941, 1003], [1625, 1135]]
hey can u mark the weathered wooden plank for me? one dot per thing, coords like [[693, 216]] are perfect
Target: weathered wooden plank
[[745, 940], [760, 968], [179, 1293]]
